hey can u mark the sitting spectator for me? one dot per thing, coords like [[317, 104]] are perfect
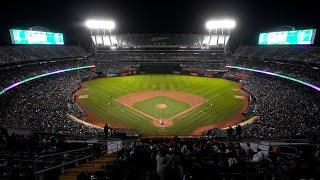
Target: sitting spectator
[[260, 156]]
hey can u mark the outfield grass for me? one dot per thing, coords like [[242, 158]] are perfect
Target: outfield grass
[[149, 107], [218, 92]]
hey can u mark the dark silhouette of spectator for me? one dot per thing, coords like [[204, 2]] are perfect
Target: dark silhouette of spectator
[[229, 133], [248, 150], [106, 131], [238, 131]]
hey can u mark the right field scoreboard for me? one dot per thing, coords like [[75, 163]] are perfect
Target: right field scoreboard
[[295, 37]]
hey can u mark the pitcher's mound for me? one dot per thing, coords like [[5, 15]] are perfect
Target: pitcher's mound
[[161, 106]]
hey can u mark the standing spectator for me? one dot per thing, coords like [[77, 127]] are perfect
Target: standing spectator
[[238, 132], [229, 132], [161, 164]]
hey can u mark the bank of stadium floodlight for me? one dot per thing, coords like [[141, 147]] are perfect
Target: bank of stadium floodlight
[[220, 24], [220, 27], [100, 25]]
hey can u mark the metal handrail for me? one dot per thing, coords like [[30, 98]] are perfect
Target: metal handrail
[[65, 152], [62, 165], [76, 160]]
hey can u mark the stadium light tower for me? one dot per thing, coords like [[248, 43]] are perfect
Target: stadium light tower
[[98, 26], [220, 25]]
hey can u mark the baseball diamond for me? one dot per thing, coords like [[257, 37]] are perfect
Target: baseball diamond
[[190, 105], [154, 107]]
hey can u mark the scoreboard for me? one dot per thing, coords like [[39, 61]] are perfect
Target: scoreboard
[[287, 37], [35, 37]]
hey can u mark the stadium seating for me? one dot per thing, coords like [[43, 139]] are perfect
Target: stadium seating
[[14, 54], [41, 155], [299, 71], [285, 110], [46, 156], [171, 56], [207, 159], [43, 105], [293, 54]]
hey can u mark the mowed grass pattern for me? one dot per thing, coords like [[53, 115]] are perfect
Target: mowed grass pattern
[[218, 92], [149, 107]]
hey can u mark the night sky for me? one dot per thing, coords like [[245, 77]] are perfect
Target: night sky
[[150, 16]]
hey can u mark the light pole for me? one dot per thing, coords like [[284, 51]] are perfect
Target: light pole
[[104, 25], [220, 25]]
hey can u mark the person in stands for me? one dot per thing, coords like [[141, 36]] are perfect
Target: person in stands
[[238, 132], [229, 133]]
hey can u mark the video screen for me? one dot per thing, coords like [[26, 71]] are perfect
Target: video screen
[[35, 37]]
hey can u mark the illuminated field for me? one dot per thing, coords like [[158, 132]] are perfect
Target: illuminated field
[[161, 107], [203, 102]]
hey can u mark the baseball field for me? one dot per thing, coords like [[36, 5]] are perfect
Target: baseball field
[[162, 104]]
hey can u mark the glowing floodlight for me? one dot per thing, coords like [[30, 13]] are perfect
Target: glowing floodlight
[[220, 24], [100, 24]]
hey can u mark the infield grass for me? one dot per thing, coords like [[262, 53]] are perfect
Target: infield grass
[[149, 107]]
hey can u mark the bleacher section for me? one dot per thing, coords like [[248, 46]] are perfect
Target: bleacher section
[[45, 156], [293, 54], [52, 156], [16, 54], [43, 105], [159, 56], [205, 159]]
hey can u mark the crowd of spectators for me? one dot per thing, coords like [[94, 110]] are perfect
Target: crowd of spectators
[[42, 105], [160, 56], [14, 54], [294, 54], [207, 159], [23, 154], [285, 109], [15, 73], [111, 68], [204, 68], [300, 71]]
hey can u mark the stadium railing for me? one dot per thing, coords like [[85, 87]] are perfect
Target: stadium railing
[[87, 154]]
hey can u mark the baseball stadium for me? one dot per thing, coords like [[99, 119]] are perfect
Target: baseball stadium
[[113, 90]]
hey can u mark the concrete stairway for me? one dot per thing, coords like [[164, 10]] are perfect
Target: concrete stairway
[[89, 166]]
